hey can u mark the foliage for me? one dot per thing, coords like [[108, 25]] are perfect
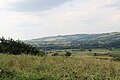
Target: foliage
[[55, 54], [95, 54], [90, 50], [68, 53], [11, 46]]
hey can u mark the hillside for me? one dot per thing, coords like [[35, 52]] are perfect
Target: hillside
[[104, 40]]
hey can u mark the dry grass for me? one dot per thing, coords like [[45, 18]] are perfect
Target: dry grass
[[27, 67]]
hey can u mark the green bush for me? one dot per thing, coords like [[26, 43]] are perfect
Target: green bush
[[95, 54], [68, 54], [55, 54], [90, 50], [16, 47]]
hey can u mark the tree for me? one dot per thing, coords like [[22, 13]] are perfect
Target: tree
[[90, 50], [17, 47]]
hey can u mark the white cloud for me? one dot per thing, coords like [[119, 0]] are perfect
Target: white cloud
[[76, 16]]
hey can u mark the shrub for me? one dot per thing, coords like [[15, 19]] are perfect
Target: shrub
[[42, 53], [95, 54], [90, 50], [55, 54], [68, 54], [16, 47]]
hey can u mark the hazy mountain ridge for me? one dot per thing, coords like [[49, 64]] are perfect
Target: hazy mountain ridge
[[78, 40]]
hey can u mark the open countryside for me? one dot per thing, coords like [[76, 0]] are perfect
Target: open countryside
[[23, 61], [59, 39]]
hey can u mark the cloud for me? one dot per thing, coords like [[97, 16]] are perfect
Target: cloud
[[36, 5], [74, 16], [113, 4]]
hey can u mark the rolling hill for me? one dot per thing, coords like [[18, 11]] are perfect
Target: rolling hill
[[104, 40]]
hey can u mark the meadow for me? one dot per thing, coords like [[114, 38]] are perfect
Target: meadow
[[85, 67]]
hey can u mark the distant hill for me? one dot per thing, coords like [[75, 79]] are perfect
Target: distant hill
[[104, 40]]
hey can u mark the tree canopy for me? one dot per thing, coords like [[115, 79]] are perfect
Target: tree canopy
[[11, 46]]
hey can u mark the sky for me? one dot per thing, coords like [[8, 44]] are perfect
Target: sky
[[30, 19]]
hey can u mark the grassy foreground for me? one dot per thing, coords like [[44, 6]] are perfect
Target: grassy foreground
[[27, 67]]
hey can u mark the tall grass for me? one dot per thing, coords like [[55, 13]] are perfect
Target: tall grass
[[27, 67]]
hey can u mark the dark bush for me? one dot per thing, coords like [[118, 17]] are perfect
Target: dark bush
[[95, 54], [68, 54], [90, 50], [55, 54], [16, 47]]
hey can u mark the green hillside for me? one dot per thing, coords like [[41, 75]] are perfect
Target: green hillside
[[104, 40]]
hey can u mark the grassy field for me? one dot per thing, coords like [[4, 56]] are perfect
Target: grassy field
[[27, 67], [99, 52]]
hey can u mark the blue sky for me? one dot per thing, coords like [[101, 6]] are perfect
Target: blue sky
[[28, 19]]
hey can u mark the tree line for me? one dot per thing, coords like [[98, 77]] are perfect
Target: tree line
[[16, 47]]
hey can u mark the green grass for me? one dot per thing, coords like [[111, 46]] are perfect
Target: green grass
[[86, 53], [27, 67], [100, 52]]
